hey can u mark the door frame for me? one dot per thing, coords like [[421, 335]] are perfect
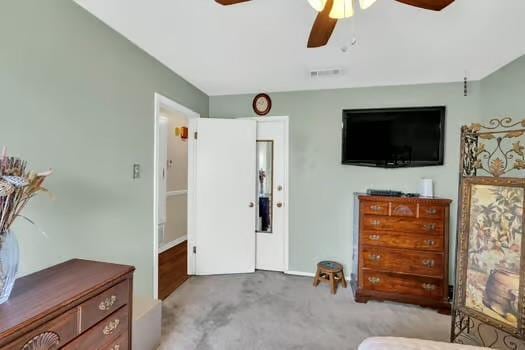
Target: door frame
[[286, 234], [161, 101]]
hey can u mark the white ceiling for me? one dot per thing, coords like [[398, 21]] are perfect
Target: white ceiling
[[261, 45]]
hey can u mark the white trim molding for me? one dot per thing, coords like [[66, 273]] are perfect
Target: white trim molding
[[175, 242], [161, 101], [176, 193], [300, 273], [307, 274]]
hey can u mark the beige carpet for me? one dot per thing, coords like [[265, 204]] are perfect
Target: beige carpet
[[269, 310]]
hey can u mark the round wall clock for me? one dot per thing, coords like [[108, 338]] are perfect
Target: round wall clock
[[262, 104]]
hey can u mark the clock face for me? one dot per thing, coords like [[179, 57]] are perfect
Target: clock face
[[262, 104]]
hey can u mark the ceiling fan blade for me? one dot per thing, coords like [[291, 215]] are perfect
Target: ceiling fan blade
[[435, 5], [323, 27], [230, 2]]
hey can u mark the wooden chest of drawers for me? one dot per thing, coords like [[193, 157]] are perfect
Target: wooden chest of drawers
[[401, 253], [79, 304]]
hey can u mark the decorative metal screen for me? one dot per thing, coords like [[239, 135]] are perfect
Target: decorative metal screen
[[489, 302]]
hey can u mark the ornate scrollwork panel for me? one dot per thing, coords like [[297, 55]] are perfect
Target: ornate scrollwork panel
[[43, 341], [471, 331], [488, 151], [496, 149]]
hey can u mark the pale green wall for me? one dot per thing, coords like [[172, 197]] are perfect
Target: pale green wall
[[321, 189], [503, 92], [78, 97]]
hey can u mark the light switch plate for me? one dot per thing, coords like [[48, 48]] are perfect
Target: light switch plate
[[136, 171]]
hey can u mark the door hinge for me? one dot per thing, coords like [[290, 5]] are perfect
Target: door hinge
[[194, 250], [195, 135]]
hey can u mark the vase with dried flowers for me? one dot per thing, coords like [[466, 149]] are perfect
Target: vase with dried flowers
[[17, 186]]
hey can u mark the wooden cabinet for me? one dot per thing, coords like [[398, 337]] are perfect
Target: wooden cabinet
[[78, 304], [401, 250]]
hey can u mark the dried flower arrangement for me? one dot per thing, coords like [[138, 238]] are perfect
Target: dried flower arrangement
[[17, 186]]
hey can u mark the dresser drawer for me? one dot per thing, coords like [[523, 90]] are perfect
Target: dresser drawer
[[375, 208], [402, 284], [402, 224], [105, 332], [402, 240], [431, 212], [102, 305], [404, 209], [404, 261], [59, 331], [121, 343]]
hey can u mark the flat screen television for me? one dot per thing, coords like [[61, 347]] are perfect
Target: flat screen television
[[395, 137]]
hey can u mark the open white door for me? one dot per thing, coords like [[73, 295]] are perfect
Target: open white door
[[224, 207]]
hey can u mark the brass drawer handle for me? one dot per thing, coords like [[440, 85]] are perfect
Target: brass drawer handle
[[429, 263], [374, 237], [374, 257], [376, 208], [115, 347], [428, 286], [111, 327], [107, 303], [374, 280], [375, 223], [429, 242], [431, 211], [429, 227]]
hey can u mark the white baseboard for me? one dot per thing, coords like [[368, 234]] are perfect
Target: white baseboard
[[172, 244], [300, 273], [147, 319], [306, 274]]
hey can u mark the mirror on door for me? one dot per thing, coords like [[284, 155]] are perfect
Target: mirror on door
[[264, 186]]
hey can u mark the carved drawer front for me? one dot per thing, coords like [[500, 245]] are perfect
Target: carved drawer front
[[431, 212], [402, 240], [402, 284], [402, 224], [375, 208], [50, 336], [102, 305], [403, 261], [121, 343], [404, 209], [105, 332]]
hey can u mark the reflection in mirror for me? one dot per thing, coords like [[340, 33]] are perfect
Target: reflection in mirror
[[264, 186]]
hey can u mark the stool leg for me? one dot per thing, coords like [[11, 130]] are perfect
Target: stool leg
[[333, 283], [317, 277], [343, 279]]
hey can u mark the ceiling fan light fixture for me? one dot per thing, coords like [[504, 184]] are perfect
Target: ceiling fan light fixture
[[342, 9], [318, 5], [366, 3]]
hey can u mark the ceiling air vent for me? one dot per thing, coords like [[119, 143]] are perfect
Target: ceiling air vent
[[326, 73]]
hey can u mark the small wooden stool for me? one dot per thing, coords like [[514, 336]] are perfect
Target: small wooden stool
[[330, 272]]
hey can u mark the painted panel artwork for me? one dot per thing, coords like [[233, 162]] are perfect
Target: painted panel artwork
[[494, 251]]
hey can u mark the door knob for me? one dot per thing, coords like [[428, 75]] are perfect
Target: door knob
[[279, 205], [251, 205]]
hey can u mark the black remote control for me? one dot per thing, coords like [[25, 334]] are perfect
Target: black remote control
[[386, 193]]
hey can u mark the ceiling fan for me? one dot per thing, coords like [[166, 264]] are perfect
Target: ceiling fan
[[332, 10]]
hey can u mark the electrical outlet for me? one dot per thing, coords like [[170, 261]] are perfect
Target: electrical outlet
[[136, 171]]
